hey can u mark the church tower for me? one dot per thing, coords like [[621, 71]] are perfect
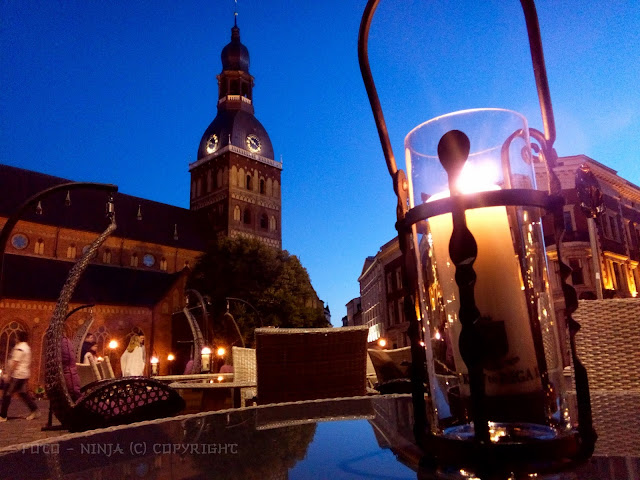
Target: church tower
[[235, 179]]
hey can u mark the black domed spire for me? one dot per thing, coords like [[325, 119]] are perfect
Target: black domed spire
[[235, 55]]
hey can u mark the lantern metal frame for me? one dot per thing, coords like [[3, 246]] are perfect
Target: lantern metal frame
[[481, 452]]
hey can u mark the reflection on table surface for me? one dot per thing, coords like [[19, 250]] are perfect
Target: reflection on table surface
[[362, 437]]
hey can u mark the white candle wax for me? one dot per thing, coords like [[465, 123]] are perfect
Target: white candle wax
[[498, 295]]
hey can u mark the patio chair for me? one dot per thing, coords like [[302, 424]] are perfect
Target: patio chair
[[608, 343], [105, 369], [107, 402], [88, 374], [392, 369], [372, 377], [295, 364], [244, 370]]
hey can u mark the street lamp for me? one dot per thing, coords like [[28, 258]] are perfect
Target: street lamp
[[592, 205], [475, 273]]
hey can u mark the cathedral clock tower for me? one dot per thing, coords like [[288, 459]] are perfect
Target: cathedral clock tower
[[235, 179]]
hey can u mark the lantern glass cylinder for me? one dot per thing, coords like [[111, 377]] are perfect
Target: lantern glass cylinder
[[515, 337]]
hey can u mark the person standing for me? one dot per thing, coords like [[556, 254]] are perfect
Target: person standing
[[17, 377], [131, 361]]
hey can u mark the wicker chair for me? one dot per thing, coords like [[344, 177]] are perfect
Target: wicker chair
[[244, 370], [392, 369], [105, 369], [88, 374], [296, 364], [609, 346], [372, 377], [108, 402]]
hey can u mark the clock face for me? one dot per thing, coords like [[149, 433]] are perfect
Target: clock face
[[212, 143], [148, 260], [19, 241], [253, 143]]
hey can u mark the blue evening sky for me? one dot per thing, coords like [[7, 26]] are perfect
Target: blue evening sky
[[121, 92]]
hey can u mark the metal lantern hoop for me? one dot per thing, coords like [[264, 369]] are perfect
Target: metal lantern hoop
[[478, 449]]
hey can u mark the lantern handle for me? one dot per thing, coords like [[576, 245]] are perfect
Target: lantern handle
[[539, 71]]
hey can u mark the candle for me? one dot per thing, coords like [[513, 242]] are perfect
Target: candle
[[206, 359], [499, 296], [154, 365]]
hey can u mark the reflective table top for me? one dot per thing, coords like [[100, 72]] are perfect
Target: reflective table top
[[355, 438]]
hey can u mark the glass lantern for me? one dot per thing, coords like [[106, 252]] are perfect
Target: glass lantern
[[494, 363]]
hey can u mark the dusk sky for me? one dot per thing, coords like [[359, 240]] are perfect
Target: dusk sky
[[121, 92]]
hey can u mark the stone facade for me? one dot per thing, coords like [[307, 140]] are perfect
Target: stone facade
[[375, 295]]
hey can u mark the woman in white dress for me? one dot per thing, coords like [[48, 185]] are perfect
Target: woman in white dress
[[132, 362]]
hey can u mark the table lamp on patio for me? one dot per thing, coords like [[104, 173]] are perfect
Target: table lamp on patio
[[155, 365], [206, 360], [482, 324]]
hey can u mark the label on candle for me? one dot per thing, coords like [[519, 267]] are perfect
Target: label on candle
[[499, 296]]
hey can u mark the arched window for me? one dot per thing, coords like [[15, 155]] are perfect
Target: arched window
[[134, 260], [269, 187], [236, 213], [209, 180], [248, 181], [8, 340], [163, 264], [241, 178], [198, 187], [219, 178], [38, 249], [193, 189], [272, 223], [102, 339], [264, 221], [262, 186], [71, 251], [106, 256], [247, 216], [234, 176]]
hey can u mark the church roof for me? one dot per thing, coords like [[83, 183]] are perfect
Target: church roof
[[39, 278], [233, 127], [158, 222], [235, 56]]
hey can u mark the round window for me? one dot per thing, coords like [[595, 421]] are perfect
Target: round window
[[19, 241], [149, 260]]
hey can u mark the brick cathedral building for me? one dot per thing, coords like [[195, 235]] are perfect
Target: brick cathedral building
[[136, 281]]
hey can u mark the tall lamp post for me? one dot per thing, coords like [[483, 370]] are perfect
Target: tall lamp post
[[473, 253], [592, 205]]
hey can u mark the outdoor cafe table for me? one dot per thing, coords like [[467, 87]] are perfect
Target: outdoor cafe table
[[354, 438], [210, 396], [195, 377]]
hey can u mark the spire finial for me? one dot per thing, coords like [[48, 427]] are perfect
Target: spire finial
[[235, 14]]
